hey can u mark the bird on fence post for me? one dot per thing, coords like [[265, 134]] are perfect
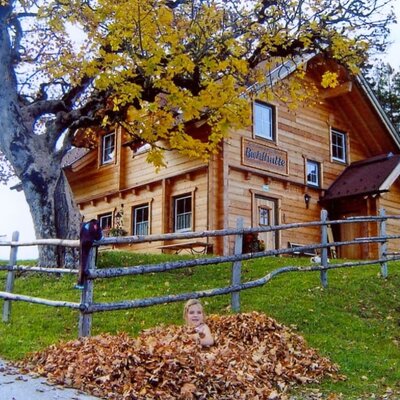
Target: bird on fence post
[[90, 231]]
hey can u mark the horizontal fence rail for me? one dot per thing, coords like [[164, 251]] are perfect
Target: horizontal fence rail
[[87, 306], [151, 301], [42, 270]]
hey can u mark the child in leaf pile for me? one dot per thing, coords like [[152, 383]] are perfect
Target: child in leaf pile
[[194, 316]]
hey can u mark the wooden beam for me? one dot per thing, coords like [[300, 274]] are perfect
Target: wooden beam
[[286, 185], [189, 176], [337, 91]]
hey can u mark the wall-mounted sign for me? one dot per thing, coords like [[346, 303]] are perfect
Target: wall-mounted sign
[[265, 188], [263, 157]]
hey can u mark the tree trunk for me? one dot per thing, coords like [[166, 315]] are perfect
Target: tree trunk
[[47, 192], [36, 160], [54, 213]]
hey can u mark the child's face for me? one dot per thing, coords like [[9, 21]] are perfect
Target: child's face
[[195, 315]]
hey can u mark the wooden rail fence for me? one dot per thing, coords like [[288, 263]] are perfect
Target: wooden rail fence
[[87, 307]]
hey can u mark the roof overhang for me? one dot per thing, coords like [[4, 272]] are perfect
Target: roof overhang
[[366, 177]]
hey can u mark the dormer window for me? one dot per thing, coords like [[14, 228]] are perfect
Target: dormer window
[[108, 148]]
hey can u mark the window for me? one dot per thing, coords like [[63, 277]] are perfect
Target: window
[[263, 216], [108, 148], [338, 143], [141, 220], [105, 221], [264, 121], [183, 213], [313, 173]]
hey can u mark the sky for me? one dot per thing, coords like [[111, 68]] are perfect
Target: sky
[[14, 211]]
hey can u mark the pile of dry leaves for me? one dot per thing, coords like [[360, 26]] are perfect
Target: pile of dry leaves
[[254, 358]]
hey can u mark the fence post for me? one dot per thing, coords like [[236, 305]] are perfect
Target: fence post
[[237, 267], [85, 319], [324, 249], [10, 278], [383, 245]]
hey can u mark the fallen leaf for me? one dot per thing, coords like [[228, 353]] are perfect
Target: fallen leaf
[[254, 358]]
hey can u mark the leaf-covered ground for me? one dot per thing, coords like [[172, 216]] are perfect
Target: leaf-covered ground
[[254, 358]]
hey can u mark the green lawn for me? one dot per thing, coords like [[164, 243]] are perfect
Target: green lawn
[[355, 321]]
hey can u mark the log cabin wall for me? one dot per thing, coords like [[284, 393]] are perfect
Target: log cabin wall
[[298, 134], [130, 182], [235, 183], [216, 198], [305, 134], [390, 202]]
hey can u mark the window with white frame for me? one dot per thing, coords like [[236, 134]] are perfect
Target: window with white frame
[[338, 144], [313, 173], [105, 221], [108, 148], [141, 220], [183, 213], [263, 120]]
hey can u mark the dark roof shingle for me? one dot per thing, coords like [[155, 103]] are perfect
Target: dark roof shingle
[[370, 176]]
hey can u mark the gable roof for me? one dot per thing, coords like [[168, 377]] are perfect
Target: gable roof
[[73, 156], [371, 176], [283, 70]]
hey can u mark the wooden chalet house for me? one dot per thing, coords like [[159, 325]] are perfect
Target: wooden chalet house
[[341, 154]]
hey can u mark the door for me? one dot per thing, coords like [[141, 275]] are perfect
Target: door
[[347, 208], [349, 232], [265, 213]]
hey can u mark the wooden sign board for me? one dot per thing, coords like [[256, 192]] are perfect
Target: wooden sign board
[[263, 157]]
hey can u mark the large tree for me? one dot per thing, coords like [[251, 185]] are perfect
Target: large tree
[[156, 64]]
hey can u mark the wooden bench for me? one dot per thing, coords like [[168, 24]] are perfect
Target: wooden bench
[[193, 247], [308, 252]]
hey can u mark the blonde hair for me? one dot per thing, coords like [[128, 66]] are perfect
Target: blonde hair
[[189, 304]]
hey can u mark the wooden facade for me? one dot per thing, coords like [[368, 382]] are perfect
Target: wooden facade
[[265, 178]]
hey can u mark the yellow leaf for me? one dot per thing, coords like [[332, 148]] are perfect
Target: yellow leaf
[[329, 79]]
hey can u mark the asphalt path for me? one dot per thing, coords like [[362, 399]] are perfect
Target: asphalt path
[[17, 386]]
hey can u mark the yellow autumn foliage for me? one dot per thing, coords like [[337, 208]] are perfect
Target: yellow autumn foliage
[[166, 66]]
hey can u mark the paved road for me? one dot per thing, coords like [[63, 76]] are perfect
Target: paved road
[[17, 386]]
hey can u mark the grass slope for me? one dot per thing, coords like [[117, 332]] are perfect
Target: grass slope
[[355, 321]]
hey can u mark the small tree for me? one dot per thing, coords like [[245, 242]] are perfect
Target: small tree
[[152, 66]]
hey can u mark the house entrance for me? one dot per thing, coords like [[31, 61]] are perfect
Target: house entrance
[[265, 213], [350, 232], [347, 232]]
